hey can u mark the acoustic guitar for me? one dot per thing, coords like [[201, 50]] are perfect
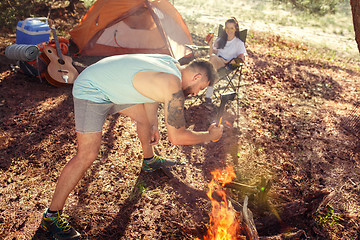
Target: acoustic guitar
[[60, 71]]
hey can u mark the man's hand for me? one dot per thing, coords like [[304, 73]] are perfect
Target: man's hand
[[215, 131], [155, 136], [151, 114]]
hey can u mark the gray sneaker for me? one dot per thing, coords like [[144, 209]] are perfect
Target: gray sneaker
[[157, 163], [59, 227]]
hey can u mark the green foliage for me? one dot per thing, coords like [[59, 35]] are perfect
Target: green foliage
[[319, 7], [327, 217], [16, 10]]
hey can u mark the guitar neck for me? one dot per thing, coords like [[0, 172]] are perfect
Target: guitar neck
[[58, 49]]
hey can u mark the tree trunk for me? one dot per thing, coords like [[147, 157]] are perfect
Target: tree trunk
[[355, 8]]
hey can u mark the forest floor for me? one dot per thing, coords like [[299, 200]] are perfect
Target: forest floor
[[294, 123]]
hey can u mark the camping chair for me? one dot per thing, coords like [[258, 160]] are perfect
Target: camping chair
[[229, 76]]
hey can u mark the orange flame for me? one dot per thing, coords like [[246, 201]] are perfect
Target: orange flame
[[223, 223]]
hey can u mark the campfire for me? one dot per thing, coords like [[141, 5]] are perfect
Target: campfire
[[224, 223]]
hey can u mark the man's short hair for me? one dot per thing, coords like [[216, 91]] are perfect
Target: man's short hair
[[207, 66]]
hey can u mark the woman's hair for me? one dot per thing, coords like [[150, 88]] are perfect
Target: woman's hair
[[223, 38]]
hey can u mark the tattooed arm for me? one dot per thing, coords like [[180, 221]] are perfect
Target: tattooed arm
[[175, 122], [166, 88], [175, 110]]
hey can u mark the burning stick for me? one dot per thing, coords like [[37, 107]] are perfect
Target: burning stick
[[223, 222]]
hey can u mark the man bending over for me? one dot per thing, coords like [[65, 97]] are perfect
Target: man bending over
[[132, 85]]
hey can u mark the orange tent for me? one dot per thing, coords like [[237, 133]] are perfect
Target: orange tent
[[112, 27]]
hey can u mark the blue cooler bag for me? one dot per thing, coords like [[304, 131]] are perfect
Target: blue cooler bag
[[32, 31]]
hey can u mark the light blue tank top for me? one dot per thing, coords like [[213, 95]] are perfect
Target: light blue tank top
[[111, 79]]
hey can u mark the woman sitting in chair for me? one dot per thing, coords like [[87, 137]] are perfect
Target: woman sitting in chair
[[227, 46]]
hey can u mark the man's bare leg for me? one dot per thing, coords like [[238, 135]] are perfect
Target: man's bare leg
[[151, 162], [138, 114], [87, 151]]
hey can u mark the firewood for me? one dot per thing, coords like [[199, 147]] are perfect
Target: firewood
[[241, 187], [249, 220]]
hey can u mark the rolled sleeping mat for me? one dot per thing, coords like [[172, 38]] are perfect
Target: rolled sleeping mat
[[22, 52]]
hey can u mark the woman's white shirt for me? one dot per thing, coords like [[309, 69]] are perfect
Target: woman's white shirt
[[232, 49]]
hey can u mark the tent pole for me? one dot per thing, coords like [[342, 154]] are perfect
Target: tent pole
[[161, 30]]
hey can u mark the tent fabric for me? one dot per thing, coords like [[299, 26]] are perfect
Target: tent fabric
[[112, 27], [124, 37]]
